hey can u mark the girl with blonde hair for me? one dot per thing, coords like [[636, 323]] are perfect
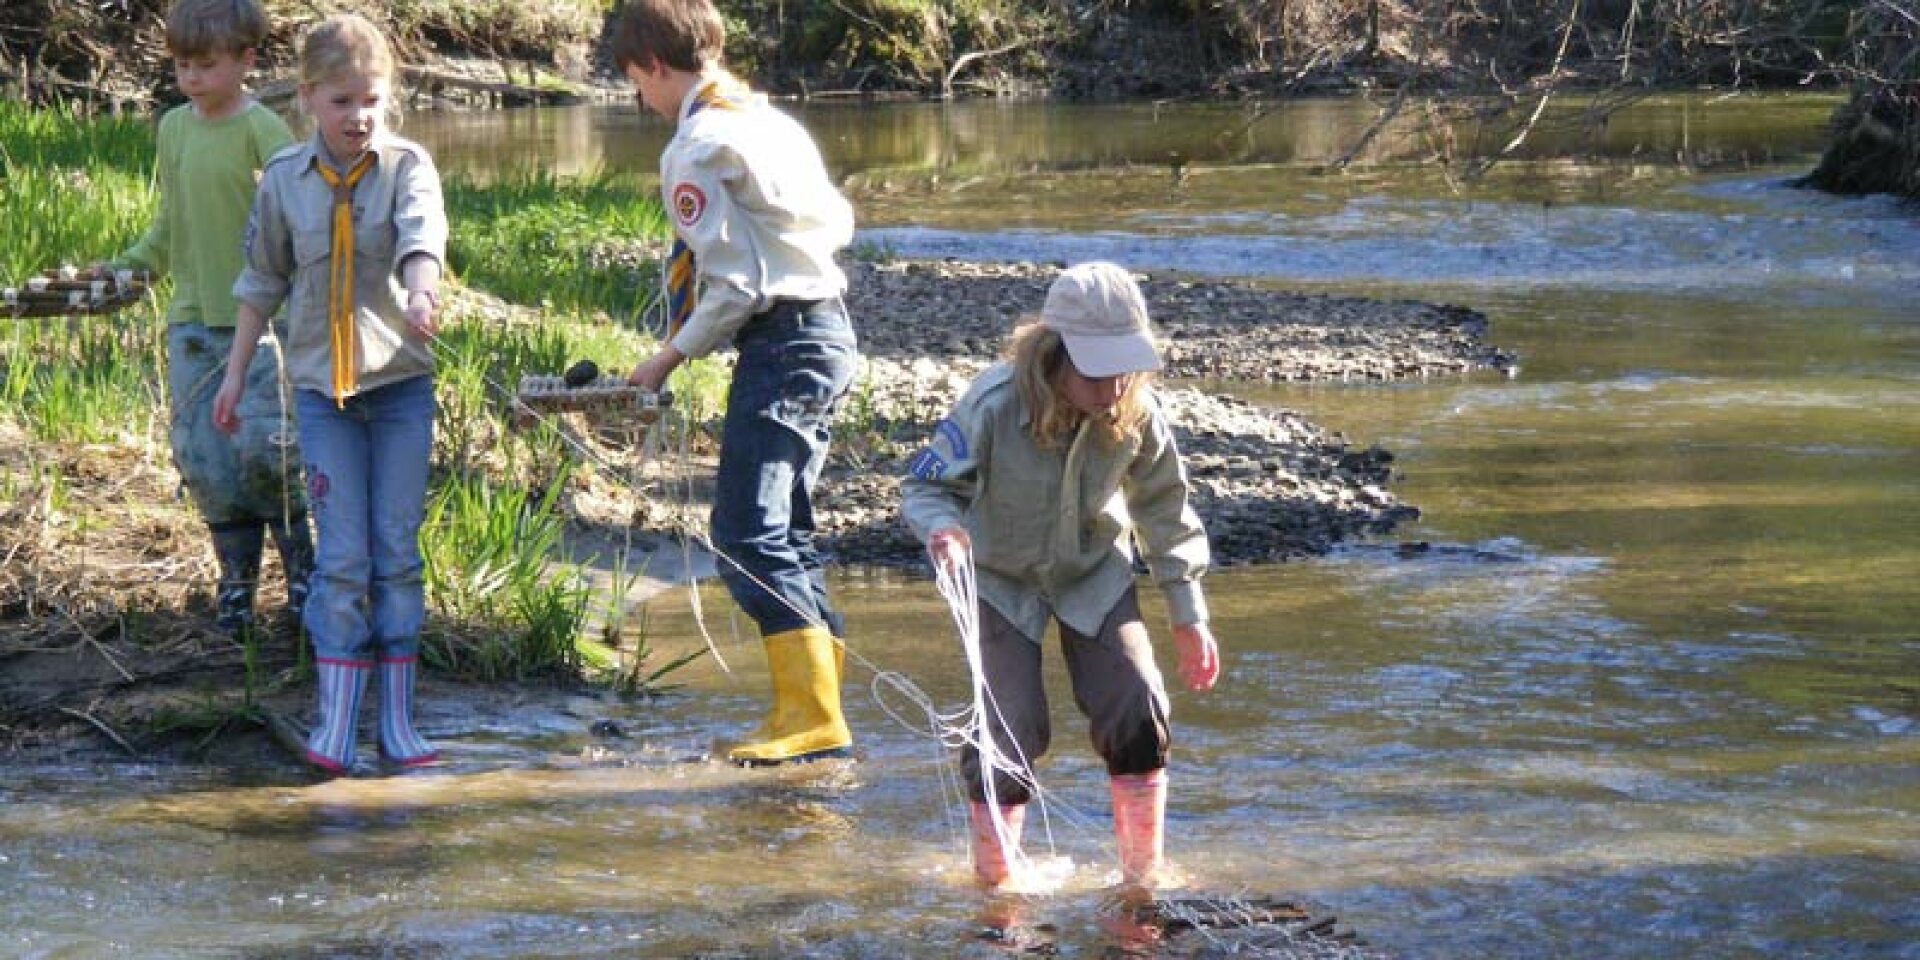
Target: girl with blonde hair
[[1050, 467], [349, 231]]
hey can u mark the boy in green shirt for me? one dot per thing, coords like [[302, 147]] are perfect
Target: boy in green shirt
[[210, 153]]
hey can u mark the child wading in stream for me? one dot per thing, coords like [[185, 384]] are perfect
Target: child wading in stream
[[1049, 468], [349, 230]]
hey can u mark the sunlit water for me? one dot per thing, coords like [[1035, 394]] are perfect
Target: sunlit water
[[1644, 681]]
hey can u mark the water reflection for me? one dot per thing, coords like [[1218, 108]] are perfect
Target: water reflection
[[988, 137]]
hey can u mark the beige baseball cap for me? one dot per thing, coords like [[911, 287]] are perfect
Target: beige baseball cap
[[1100, 314]]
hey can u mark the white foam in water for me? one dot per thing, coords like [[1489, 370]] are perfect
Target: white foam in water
[[1040, 875]]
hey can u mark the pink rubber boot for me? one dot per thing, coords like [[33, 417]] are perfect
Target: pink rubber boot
[[1139, 811], [992, 863]]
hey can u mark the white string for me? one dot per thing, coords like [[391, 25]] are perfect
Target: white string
[[974, 727]]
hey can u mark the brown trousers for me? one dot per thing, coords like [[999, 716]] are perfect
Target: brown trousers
[[1116, 685]]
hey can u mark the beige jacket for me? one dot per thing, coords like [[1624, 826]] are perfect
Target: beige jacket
[[746, 189], [1053, 530], [397, 212]]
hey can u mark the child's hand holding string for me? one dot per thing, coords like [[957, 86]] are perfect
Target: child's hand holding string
[[1199, 655], [422, 307], [420, 276], [950, 548]]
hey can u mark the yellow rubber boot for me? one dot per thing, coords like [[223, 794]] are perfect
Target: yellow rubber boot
[[773, 722], [806, 719]]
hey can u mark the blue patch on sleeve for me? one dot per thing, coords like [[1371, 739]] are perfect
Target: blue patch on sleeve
[[957, 441], [927, 465]]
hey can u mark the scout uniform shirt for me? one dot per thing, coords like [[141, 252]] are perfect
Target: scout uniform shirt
[[746, 189], [397, 212], [1050, 528]]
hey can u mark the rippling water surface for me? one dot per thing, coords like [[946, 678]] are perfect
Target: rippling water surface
[[1644, 681]]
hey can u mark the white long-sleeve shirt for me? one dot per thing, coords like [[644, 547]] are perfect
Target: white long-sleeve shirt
[[745, 187]]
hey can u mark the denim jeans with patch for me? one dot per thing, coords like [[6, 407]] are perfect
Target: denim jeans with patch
[[367, 487], [796, 363]]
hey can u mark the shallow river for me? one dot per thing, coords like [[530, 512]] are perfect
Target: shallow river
[[1644, 681]]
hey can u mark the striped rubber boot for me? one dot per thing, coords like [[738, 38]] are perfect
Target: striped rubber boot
[[342, 683], [399, 742]]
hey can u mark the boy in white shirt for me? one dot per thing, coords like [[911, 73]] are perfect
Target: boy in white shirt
[[756, 224]]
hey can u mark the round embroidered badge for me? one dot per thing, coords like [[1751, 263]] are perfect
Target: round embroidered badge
[[688, 204]]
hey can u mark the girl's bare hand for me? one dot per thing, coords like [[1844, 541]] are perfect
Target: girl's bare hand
[[420, 317], [1199, 656], [950, 547], [226, 405]]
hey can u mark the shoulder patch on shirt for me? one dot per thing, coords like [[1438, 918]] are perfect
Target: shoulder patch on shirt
[[688, 204], [956, 441], [927, 465]]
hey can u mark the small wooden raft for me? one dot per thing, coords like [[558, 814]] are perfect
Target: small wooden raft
[[543, 395], [70, 293], [1257, 927]]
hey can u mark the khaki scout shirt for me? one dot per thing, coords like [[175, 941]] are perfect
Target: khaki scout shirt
[[746, 189], [397, 212], [1050, 528]]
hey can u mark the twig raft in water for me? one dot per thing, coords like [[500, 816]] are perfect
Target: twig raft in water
[[1261, 927]]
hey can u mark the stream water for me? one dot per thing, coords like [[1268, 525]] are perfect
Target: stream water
[[1643, 682]]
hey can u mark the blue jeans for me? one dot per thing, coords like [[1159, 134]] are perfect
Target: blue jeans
[[796, 362], [367, 487]]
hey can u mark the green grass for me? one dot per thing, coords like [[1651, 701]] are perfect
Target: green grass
[[487, 550], [537, 239], [67, 137], [78, 189], [74, 190], [572, 248], [86, 380]]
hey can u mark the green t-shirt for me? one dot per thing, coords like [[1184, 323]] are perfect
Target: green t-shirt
[[207, 171]]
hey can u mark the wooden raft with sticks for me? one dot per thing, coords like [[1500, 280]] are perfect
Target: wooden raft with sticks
[[67, 292], [583, 389], [1260, 926]]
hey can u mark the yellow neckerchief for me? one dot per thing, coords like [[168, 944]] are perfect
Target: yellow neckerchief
[[726, 93], [723, 90], [346, 366]]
